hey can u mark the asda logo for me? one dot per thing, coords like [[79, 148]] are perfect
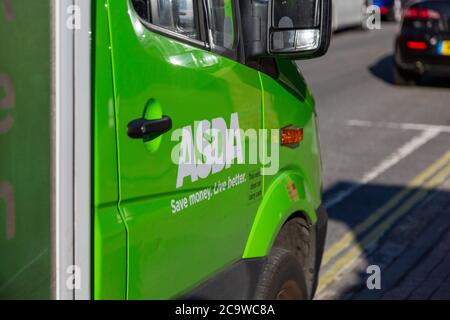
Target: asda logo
[[210, 146], [207, 148]]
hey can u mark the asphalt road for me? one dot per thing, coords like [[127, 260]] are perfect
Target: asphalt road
[[386, 161]]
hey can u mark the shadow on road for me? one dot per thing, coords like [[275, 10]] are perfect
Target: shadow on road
[[383, 69], [405, 232]]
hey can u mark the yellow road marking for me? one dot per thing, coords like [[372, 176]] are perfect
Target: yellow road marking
[[350, 236], [342, 262]]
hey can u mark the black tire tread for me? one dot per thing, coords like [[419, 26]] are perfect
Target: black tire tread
[[295, 237], [272, 274]]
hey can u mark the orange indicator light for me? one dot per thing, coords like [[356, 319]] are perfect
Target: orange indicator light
[[291, 136]]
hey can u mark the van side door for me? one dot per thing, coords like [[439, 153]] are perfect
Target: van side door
[[186, 221]]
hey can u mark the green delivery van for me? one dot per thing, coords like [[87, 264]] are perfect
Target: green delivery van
[[159, 149]]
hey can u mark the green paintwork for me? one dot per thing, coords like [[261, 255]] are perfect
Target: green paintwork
[[275, 209], [142, 249], [25, 105], [287, 102], [171, 253], [110, 259]]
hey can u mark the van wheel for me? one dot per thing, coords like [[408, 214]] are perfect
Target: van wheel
[[293, 250], [404, 78], [282, 278]]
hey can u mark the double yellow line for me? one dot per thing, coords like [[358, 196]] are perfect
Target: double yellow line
[[439, 169]]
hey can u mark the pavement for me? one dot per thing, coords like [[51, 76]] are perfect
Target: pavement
[[386, 161]]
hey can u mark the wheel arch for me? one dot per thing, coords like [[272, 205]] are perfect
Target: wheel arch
[[277, 207]]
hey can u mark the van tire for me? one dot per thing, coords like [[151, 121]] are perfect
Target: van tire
[[282, 278], [295, 236], [294, 240]]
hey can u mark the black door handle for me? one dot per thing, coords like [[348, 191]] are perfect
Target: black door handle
[[149, 129]]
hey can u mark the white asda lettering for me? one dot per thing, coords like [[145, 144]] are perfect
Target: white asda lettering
[[207, 148]]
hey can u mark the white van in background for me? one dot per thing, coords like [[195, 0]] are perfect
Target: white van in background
[[349, 13]]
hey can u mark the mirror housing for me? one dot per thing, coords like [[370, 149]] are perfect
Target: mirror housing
[[295, 29]]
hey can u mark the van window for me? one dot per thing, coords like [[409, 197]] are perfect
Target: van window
[[175, 15], [221, 23]]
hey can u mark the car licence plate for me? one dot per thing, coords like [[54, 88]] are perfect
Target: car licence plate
[[444, 48]]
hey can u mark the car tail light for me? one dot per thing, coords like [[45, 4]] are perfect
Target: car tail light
[[416, 45], [384, 10], [421, 13]]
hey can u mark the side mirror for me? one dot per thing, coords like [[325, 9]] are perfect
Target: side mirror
[[299, 28], [295, 29]]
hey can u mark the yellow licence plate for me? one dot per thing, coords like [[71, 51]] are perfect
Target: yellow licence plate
[[444, 48]]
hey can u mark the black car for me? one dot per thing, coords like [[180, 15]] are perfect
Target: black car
[[423, 45]]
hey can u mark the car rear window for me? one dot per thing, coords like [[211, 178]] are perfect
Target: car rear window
[[441, 6]]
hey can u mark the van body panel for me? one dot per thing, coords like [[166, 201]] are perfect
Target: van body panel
[[296, 187], [283, 108], [275, 210], [110, 237], [172, 251]]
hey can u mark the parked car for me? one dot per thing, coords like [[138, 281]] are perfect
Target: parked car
[[390, 10], [422, 46]]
